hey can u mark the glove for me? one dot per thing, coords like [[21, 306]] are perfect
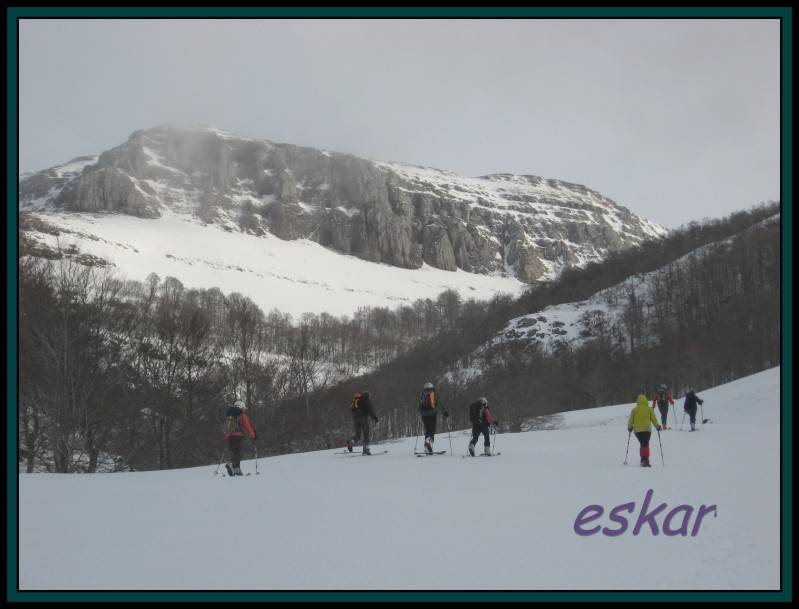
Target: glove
[[495, 423], [659, 427], [629, 430], [701, 401], [446, 414], [254, 435]]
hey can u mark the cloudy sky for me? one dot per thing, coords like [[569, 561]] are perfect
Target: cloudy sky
[[676, 119]]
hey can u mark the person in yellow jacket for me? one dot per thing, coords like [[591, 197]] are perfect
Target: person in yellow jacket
[[642, 417]]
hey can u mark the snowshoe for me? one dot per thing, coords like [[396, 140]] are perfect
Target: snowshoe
[[366, 450], [229, 469], [349, 445], [471, 449]]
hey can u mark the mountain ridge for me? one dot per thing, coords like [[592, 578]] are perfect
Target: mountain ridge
[[527, 226]]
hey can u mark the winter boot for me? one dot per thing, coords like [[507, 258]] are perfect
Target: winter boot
[[349, 445], [471, 449], [645, 462], [237, 471], [487, 450], [693, 427], [366, 450], [428, 446]]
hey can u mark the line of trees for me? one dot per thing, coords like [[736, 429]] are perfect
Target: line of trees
[[117, 374]]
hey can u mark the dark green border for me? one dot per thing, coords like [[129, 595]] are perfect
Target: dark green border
[[785, 14]]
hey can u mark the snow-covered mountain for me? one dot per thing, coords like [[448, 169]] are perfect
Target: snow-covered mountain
[[519, 229], [599, 317], [325, 521]]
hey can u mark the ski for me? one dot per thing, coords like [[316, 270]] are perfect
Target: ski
[[357, 453], [382, 452], [436, 452], [468, 456]]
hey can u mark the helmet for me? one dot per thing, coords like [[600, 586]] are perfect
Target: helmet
[[428, 385], [483, 401], [662, 386], [240, 405]]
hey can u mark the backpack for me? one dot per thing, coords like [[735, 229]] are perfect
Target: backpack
[[429, 400], [476, 412], [233, 420], [356, 402]]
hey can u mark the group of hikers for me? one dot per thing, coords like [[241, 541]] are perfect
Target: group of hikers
[[430, 405], [640, 421], [642, 417]]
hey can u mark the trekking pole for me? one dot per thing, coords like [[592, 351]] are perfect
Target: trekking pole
[[627, 451], [417, 436], [255, 446], [702, 414], [449, 435], [494, 447], [683, 420], [216, 473], [661, 449]]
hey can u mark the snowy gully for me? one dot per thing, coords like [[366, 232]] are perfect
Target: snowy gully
[[677, 521]]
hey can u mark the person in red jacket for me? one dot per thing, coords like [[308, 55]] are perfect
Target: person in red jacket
[[236, 424], [663, 398]]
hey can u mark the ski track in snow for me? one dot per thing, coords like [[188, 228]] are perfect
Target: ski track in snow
[[504, 523]]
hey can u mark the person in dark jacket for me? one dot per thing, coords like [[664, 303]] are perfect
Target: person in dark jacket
[[362, 411], [429, 407], [236, 424], [689, 406], [481, 417]]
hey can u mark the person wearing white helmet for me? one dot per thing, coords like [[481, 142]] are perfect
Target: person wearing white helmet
[[429, 407], [482, 418], [663, 398], [236, 424]]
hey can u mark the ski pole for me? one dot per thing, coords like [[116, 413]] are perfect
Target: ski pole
[[627, 451], [417, 435], [494, 447], [449, 435], [683, 420], [216, 473], [702, 414], [661, 449], [255, 446]]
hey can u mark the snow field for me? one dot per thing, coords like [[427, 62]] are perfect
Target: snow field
[[323, 521]]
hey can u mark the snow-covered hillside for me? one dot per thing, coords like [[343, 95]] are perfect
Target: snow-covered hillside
[[326, 521], [522, 226], [293, 276], [574, 324]]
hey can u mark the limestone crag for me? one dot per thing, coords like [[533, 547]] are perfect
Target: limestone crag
[[392, 213]]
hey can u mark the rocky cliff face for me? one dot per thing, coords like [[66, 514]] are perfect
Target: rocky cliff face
[[397, 214]]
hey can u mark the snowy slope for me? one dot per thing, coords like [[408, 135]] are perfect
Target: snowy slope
[[324, 521], [574, 324], [292, 276]]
